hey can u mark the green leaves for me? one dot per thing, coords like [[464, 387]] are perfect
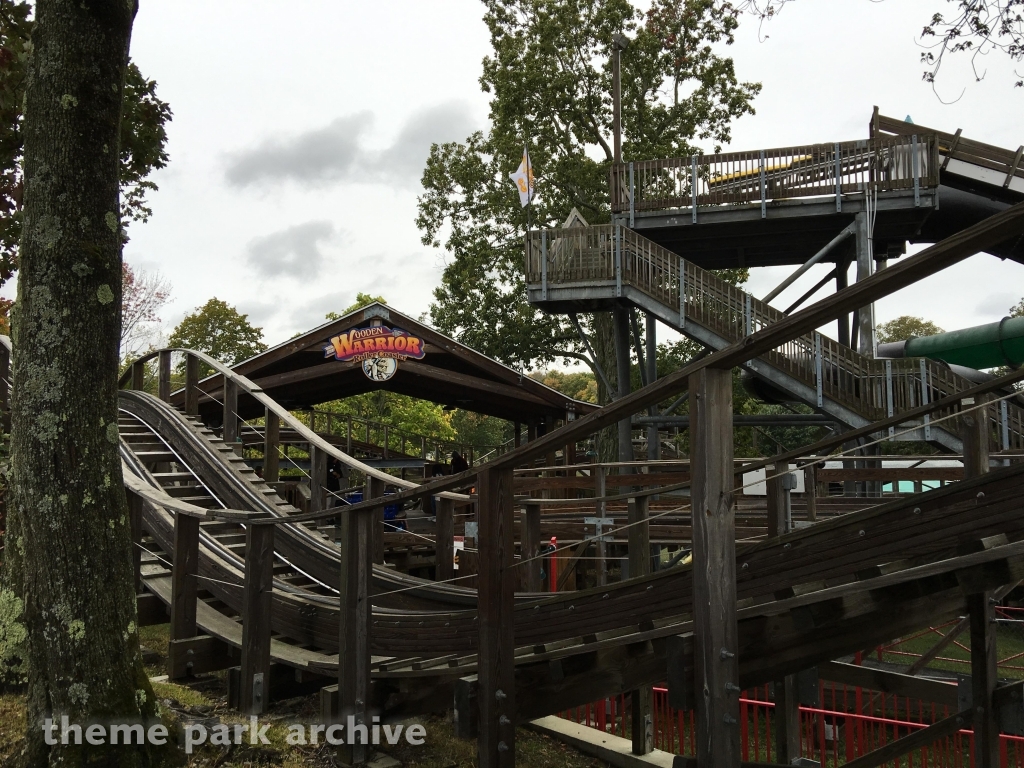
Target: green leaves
[[220, 331], [143, 136], [549, 75]]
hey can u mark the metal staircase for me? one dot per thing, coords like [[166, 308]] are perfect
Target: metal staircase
[[597, 267]]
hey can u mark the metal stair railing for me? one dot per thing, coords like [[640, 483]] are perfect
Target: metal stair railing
[[615, 256], [880, 164]]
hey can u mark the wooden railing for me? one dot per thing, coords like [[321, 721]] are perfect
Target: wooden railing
[[880, 164], [615, 256], [1007, 163]]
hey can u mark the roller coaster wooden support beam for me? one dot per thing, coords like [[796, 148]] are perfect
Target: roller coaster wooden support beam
[[191, 385], [271, 445], [354, 630], [981, 609], [184, 593], [641, 699], [139, 376], [445, 538], [164, 375], [529, 540], [257, 602], [230, 413], [317, 479], [496, 746], [375, 489], [716, 635]]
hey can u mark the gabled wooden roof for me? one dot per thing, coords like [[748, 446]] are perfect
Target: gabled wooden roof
[[298, 374]]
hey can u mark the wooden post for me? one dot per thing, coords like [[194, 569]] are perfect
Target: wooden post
[[600, 564], [271, 447], [317, 479], [776, 499], [529, 539], [257, 604], [983, 679], [138, 376], [517, 437], [981, 607], [787, 720], [375, 489], [640, 565], [445, 539], [191, 385], [714, 569], [811, 492], [163, 374], [135, 503], [974, 428], [184, 590], [230, 412], [496, 746], [354, 628]]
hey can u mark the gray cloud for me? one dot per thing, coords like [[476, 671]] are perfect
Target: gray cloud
[[293, 251], [996, 305], [337, 152]]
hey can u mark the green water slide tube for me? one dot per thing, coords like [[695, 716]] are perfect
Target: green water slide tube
[[983, 346]]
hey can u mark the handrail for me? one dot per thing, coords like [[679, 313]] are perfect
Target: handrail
[[247, 386], [608, 253], [879, 164]]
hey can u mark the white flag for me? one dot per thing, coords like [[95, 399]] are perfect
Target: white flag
[[523, 178]]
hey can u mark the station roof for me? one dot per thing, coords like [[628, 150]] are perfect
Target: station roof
[[304, 371]]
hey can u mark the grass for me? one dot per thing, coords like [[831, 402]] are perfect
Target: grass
[[954, 658], [207, 699]]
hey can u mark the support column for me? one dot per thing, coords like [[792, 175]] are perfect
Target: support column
[[622, 384], [230, 413], [257, 603], [653, 441], [164, 376], [191, 385], [271, 444], [529, 539], [317, 479], [865, 266], [787, 704], [714, 569], [641, 699], [981, 606], [496, 597], [445, 539], [138, 376], [184, 589], [374, 489], [135, 509], [354, 627], [842, 270]]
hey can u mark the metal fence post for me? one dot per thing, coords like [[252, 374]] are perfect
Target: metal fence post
[[764, 211], [888, 393], [693, 186], [925, 399], [839, 177], [817, 368], [682, 293], [916, 163], [618, 260], [544, 265], [632, 194]]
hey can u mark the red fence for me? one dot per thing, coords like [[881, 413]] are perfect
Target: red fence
[[858, 722]]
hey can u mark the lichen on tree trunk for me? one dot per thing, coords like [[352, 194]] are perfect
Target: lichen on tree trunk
[[68, 575]]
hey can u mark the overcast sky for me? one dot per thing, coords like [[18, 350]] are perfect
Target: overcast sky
[[300, 132]]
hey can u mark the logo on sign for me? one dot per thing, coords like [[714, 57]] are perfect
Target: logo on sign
[[379, 349]]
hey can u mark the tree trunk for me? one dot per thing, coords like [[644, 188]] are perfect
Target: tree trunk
[[69, 569]]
